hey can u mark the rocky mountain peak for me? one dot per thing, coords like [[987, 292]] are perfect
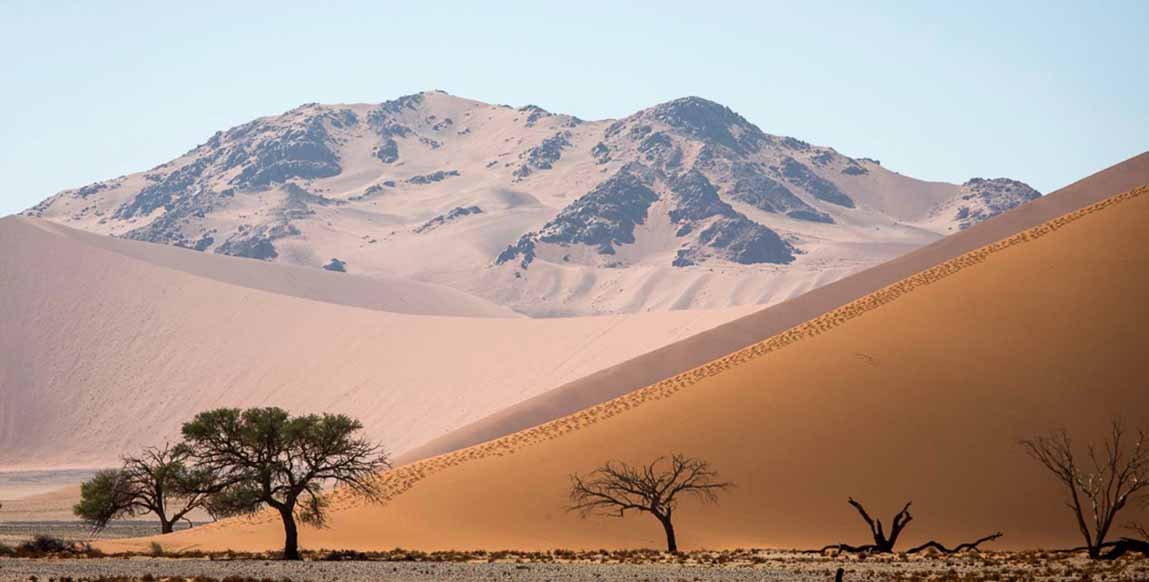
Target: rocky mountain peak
[[708, 121], [693, 118], [516, 203]]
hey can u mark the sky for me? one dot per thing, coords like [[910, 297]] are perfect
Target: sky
[[1044, 92]]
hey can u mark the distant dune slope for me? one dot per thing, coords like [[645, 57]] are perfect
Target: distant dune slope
[[379, 292], [918, 391], [107, 345], [704, 347]]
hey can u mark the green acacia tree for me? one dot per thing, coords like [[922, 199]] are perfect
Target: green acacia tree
[[159, 480], [266, 457]]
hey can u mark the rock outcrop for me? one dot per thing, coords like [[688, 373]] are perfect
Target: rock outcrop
[[982, 199]]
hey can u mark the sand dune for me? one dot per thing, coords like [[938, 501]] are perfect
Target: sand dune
[[39, 495], [712, 344], [53, 505], [109, 344], [380, 292], [917, 391]]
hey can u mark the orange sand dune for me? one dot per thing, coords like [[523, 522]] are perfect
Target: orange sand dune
[[108, 345], [704, 347], [918, 391]]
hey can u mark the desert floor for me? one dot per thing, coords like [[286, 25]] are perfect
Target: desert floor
[[700, 566]]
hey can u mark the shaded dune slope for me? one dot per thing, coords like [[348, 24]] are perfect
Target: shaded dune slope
[[704, 347], [380, 293], [918, 391], [108, 345]]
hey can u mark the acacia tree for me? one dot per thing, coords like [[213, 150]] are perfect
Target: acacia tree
[[157, 481], [1112, 478], [264, 456], [615, 488]]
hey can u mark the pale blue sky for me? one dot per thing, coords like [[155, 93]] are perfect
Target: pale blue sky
[[1045, 92]]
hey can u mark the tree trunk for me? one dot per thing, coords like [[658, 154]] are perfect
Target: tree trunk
[[290, 535], [671, 542], [165, 526], [1094, 551]]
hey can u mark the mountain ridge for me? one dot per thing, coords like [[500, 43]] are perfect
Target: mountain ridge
[[684, 204]]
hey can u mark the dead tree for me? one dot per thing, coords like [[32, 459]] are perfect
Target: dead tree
[[884, 542], [956, 549], [1096, 494], [616, 488]]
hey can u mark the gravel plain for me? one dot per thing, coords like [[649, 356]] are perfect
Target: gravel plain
[[22, 570], [14, 532], [764, 565]]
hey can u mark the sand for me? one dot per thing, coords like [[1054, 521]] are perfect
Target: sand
[[108, 345], [54, 505], [918, 391]]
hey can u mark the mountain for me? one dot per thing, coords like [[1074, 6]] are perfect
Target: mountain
[[108, 345], [685, 204], [919, 390]]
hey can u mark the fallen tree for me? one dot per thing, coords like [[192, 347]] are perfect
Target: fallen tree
[[1124, 546], [956, 549]]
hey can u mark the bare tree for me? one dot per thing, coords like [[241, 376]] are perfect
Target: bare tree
[[1114, 476], [157, 481], [884, 542], [264, 456], [616, 488]]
